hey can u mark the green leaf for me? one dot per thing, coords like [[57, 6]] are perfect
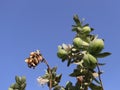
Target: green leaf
[[69, 62], [54, 69], [78, 29], [74, 28], [102, 55], [63, 60], [86, 25], [92, 37], [96, 80], [69, 86], [101, 64], [75, 73], [95, 87], [92, 29], [58, 78], [77, 21], [58, 88]]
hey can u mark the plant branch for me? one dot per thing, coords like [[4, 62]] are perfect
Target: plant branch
[[99, 72], [49, 69], [86, 88]]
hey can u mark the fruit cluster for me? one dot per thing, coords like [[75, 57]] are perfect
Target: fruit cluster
[[84, 51], [20, 83], [85, 46]]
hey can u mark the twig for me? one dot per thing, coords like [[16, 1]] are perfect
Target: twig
[[99, 72], [49, 69], [86, 88]]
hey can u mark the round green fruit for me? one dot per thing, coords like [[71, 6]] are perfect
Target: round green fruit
[[23, 79], [86, 30], [79, 43], [16, 86], [12, 86], [96, 46], [18, 79], [62, 53], [89, 61]]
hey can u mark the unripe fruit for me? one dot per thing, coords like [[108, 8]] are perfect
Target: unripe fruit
[[79, 43], [18, 79], [10, 89], [96, 46], [89, 61], [23, 86], [12, 86], [16, 86], [86, 30], [23, 79], [61, 53]]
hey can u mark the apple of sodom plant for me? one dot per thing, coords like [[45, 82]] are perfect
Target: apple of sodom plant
[[87, 48], [84, 52]]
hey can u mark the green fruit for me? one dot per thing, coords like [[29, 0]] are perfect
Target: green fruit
[[23, 79], [18, 79], [23, 86], [16, 86], [89, 61], [12, 86], [93, 60], [96, 46], [10, 89], [62, 53], [86, 60], [86, 30], [79, 43]]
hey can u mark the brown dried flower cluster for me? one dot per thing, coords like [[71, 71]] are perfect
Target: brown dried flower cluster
[[34, 59]]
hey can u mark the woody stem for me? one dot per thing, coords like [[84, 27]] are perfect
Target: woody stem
[[49, 70], [99, 72]]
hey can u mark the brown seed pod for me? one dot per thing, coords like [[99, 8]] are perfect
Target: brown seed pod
[[34, 59]]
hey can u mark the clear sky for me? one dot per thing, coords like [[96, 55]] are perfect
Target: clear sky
[[28, 25]]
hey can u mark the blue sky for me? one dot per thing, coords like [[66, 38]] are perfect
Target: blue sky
[[27, 25]]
